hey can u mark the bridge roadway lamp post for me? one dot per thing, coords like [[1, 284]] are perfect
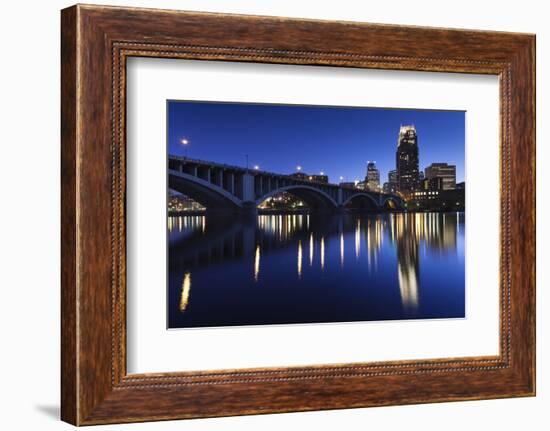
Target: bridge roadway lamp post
[[185, 143]]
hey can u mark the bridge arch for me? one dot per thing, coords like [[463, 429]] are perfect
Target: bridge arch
[[392, 203], [313, 197], [205, 193], [361, 200]]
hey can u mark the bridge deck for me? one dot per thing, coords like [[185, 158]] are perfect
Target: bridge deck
[[220, 184]]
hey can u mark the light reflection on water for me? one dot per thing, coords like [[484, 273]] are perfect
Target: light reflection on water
[[185, 290], [404, 265], [257, 263], [299, 259]]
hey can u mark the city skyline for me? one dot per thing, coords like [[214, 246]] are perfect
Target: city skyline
[[279, 138]]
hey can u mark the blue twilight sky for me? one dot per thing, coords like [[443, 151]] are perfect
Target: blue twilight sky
[[336, 140]]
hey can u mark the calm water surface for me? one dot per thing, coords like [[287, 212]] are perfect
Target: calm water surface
[[306, 268]]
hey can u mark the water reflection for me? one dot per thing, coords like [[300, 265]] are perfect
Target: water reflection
[[407, 241], [341, 249], [311, 247], [185, 289], [322, 252], [383, 281], [358, 239], [257, 263], [300, 258]]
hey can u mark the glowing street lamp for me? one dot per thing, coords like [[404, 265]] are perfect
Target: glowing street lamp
[[185, 143], [341, 178], [322, 173], [298, 168], [256, 167]]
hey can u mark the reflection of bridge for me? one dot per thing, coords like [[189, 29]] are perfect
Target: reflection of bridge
[[223, 187], [316, 240]]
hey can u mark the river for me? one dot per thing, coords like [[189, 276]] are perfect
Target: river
[[314, 268]]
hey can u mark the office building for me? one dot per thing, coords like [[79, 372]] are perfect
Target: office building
[[406, 160], [445, 171], [372, 179], [391, 185]]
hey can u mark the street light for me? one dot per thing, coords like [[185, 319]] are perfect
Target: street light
[[185, 143], [299, 168], [341, 178], [256, 167], [322, 173]]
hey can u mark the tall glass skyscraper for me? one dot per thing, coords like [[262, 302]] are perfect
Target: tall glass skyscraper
[[372, 179], [391, 185], [406, 160]]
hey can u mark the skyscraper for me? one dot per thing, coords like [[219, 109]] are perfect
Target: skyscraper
[[392, 176], [372, 179], [406, 160], [391, 185], [444, 171]]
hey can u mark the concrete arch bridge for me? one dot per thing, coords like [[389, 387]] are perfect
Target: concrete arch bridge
[[220, 187]]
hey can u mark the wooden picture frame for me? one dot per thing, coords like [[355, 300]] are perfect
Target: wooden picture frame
[[95, 43]]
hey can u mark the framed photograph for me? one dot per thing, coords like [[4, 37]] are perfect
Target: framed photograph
[[266, 215]]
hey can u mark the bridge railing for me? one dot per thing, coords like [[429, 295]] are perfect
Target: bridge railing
[[207, 163]]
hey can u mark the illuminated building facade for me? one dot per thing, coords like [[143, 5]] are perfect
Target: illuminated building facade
[[437, 200], [432, 184], [444, 171], [321, 178], [391, 185], [372, 179], [406, 160], [178, 203], [282, 201]]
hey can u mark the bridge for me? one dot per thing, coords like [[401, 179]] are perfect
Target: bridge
[[220, 187]]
